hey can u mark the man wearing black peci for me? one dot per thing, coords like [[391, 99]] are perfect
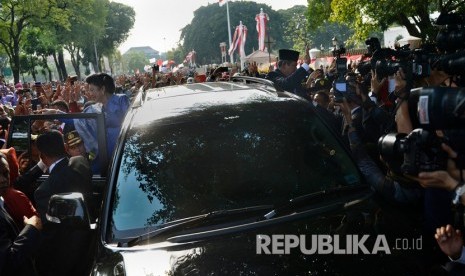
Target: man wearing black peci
[[287, 76]]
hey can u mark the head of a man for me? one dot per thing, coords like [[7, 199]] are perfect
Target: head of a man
[[287, 63], [51, 146], [74, 145], [321, 98]]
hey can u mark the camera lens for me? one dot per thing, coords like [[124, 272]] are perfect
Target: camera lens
[[441, 107], [391, 149]]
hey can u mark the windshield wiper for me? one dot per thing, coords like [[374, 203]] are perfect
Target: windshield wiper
[[176, 226], [303, 201]]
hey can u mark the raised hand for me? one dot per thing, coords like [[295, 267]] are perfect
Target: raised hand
[[450, 241]]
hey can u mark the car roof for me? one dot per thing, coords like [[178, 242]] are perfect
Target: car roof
[[171, 101]]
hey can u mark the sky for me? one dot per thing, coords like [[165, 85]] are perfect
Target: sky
[[158, 23]]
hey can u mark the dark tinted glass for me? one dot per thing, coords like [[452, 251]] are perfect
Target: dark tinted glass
[[224, 158]]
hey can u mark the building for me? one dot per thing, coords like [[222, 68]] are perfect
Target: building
[[147, 50]]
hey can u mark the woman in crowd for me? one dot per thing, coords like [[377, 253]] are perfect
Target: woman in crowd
[[114, 107]]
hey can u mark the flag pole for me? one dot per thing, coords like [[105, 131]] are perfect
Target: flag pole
[[231, 56]]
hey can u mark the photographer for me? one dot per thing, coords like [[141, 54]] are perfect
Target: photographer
[[383, 184]]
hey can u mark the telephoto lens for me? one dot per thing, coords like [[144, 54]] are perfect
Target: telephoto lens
[[440, 107]]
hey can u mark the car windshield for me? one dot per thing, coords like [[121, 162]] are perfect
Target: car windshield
[[227, 157]]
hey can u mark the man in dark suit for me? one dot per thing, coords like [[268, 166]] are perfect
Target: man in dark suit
[[287, 76], [16, 248], [62, 246]]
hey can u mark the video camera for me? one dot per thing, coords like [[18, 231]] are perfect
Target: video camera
[[439, 108], [373, 45]]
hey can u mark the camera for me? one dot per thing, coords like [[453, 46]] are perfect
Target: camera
[[373, 45], [386, 61], [421, 151], [422, 59], [452, 35], [439, 108], [452, 64]]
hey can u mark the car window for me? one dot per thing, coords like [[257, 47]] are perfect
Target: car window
[[227, 157]]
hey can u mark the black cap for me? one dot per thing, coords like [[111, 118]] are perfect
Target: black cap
[[285, 54]]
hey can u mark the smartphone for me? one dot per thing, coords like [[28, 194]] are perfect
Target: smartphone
[[35, 102], [341, 87], [392, 85]]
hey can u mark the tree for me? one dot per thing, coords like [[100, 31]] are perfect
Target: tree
[[177, 54], [40, 43], [366, 16], [296, 27], [134, 61], [15, 17], [120, 20]]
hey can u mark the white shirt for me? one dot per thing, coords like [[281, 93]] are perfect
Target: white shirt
[[53, 165]]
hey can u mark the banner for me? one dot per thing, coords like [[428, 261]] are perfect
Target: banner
[[240, 36], [262, 20], [222, 2]]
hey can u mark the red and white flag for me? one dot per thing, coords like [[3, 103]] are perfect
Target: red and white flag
[[222, 2], [262, 20], [190, 57], [240, 35]]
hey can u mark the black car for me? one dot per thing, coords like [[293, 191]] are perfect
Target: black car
[[237, 178]]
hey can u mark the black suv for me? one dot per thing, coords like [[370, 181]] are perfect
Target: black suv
[[237, 178]]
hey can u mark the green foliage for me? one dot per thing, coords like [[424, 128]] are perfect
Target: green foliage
[[177, 54], [43, 27], [134, 60], [366, 16], [120, 20], [15, 16], [318, 11], [296, 27]]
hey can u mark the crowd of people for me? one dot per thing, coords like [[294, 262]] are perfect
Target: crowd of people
[[369, 107], [66, 152], [365, 109]]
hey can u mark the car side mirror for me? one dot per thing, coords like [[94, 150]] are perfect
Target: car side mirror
[[68, 209]]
